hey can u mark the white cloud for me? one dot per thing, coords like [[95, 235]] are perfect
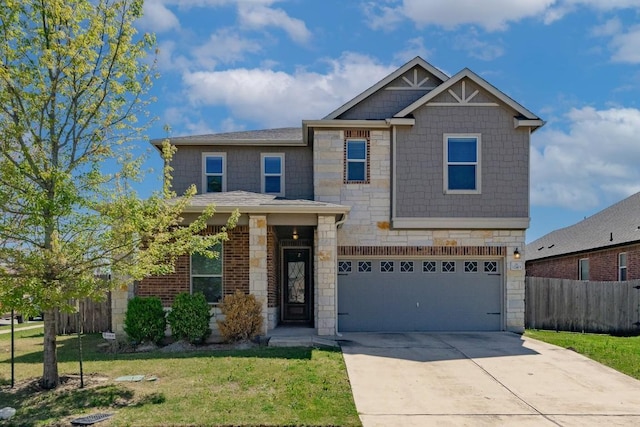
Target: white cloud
[[276, 98], [477, 48], [415, 47], [626, 46], [157, 17], [492, 15], [258, 16], [594, 160], [610, 27], [224, 46]]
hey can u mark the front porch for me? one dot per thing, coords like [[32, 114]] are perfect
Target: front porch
[[284, 252], [298, 336]]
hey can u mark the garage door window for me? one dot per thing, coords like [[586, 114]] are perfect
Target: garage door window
[[448, 266], [364, 266], [428, 266], [406, 266], [490, 267], [344, 267], [386, 266], [470, 266]]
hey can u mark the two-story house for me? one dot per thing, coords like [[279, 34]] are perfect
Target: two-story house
[[399, 211]]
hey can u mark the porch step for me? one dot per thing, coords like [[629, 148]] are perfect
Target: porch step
[[302, 341]]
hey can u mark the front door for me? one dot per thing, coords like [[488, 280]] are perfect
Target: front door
[[296, 289]]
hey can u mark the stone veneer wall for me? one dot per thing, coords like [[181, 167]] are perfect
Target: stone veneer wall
[[369, 222], [325, 261]]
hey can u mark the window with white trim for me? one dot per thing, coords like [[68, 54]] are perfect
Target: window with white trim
[[206, 275], [272, 172], [214, 166], [622, 266], [462, 163], [583, 269]]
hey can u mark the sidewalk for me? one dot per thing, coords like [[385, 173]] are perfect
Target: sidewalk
[[22, 328]]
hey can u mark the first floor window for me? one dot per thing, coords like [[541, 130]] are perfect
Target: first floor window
[[461, 163], [583, 269], [272, 166], [206, 275], [622, 266], [213, 166]]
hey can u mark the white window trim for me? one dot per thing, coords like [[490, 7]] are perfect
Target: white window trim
[[580, 269], [204, 170], [626, 260], [445, 163], [363, 161], [221, 275], [263, 174]]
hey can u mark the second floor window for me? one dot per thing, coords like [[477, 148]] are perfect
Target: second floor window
[[356, 160], [213, 165], [462, 164], [273, 173]]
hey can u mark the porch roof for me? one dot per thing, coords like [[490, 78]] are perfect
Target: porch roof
[[258, 203]]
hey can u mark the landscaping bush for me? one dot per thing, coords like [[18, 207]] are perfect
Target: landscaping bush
[[145, 320], [189, 317], [243, 317]]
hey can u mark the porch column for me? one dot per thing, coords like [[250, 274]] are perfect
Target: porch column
[[258, 264], [325, 284]]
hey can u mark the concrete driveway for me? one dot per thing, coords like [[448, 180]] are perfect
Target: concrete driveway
[[482, 379]]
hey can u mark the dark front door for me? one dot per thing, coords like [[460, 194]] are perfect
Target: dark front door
[[296, 285]]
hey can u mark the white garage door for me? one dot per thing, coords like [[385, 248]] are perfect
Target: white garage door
[[395, 294]]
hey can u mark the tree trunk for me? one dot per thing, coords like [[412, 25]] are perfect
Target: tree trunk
[[50, 377]]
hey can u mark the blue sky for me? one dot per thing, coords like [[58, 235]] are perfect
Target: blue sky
[[228, 65]]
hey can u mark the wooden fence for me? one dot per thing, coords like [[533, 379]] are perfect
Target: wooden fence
[[583, 306], [95, 317]]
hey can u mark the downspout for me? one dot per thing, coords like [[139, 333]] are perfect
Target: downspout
[[345, 216]]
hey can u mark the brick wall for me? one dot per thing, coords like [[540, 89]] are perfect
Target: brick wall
[[235, 273], [273, 272], [603, 265]]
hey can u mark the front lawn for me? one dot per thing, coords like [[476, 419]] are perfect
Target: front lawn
[[258, 386], [619, 353]]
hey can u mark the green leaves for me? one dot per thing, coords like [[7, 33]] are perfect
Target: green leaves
[[74, 80]]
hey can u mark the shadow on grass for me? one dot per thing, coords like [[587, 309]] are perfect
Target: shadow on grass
[[68, 352], [34, 405]]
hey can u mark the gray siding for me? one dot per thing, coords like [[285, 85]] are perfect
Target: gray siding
[[504, 167], [243, 168], [387, 102]]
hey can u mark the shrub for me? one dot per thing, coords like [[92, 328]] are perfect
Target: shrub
[[243, 317], [189, 317], [145, 319]]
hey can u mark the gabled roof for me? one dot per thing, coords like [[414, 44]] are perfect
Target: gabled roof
[[382, 83], [616, 225], [467, 73], [280, 136]]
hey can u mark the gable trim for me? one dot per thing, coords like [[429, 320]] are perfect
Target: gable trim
[[385, 81], [467, 73]]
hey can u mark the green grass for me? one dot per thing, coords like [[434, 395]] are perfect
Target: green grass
[[619, 353], [17, 326], [259, 386]]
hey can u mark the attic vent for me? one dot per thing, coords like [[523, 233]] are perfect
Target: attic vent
[[549, 247], [541, 248]]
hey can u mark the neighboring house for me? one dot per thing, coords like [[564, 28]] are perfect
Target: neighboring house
[[603, 247], [399, 211]]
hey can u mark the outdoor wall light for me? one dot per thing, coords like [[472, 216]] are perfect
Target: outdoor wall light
[[295, 234], [516, 253]]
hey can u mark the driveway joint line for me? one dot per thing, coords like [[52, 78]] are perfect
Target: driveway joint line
[[497, 381]]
